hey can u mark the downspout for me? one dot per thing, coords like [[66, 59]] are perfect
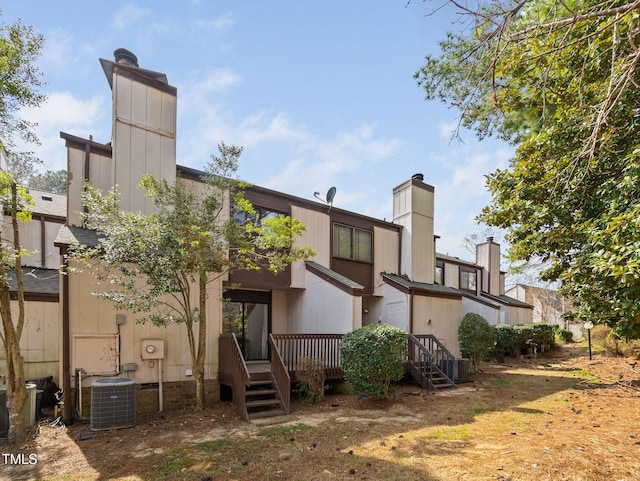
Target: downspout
[[66, 364], [411, 296]]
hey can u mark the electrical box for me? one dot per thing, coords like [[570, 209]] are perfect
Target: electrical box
[[152, 349]]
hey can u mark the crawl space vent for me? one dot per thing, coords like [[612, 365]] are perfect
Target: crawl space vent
[[113, 403]]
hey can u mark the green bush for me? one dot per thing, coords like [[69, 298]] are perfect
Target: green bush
[[514, 340], [564, 335], [475, 337], [507, 342], [543, 336], [372, 359]]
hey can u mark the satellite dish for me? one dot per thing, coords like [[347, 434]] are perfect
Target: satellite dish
[[331, 193]]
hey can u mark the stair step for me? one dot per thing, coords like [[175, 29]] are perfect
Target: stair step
[[266, 414], [262, 382], [260, 392], [263, 403]]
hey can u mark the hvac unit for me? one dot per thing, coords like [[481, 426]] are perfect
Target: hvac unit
[[456, 369], [113, 403]]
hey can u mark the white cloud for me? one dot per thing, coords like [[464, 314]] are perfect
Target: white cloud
[[127, 16], [461, 194], [221, 24], [66, 113], [447, 129]]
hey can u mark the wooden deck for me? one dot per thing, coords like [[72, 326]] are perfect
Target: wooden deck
[[427, 361]]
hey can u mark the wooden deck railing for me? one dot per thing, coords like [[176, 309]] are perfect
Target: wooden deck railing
[[295, 347], [280, 375], [433, 345], [233, 371], [427, 355]]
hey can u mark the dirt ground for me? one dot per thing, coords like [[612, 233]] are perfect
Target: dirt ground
[[559, 416]]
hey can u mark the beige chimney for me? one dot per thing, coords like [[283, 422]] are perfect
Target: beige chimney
[[488, 257], [144, 127], [413, 209]]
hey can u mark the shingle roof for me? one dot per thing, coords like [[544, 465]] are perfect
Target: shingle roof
[[436, 289], [506, 300], [77, 235], [48, 203], [37, 281], [332, 276]]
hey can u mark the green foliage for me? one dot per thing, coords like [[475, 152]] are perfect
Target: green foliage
[[514, 340], [564, 335], [372, 359], [188, 238], [20, 48], [152, 263], [508, 342], [50, 181], [475, 338], [558, 81]]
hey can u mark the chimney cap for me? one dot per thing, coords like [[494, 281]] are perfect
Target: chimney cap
[[124, 56]]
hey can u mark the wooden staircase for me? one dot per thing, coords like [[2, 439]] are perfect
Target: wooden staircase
[[262, 398], [426, 357]]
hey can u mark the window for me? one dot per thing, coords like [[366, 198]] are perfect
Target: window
[[468, 280], [352, 243], [260, 213], [439, 274]]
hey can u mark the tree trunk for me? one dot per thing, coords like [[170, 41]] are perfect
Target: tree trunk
[[198, 367], [16, 386]]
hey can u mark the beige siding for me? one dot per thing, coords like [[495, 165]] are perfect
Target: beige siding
[[519, 315], [93, 321], [385, 257], [414, 209], [39, 342], [143, 139], [279, 312], [439, 317], [317, 235], [100, 175], [451, 275], [488, 257]]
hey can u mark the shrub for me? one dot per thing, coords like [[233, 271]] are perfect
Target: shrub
[[372, 358], [475, 338], [311, 377], [507, 342], [564, 335], [544, 336]]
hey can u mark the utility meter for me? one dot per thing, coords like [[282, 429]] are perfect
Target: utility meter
[[152, 349]]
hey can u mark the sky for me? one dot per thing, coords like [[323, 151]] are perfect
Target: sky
[[319, 93]]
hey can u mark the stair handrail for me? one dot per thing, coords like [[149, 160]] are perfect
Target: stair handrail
[[234, 366], [423, 355], [281, 377]]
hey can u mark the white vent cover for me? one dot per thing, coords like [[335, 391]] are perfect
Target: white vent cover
[[113, 403]]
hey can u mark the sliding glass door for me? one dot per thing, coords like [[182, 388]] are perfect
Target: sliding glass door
[[249, 321]]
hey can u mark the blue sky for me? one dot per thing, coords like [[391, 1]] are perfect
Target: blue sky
[[319, 94]]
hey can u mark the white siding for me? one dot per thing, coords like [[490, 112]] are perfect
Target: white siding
[[491, 314], [323, 308]]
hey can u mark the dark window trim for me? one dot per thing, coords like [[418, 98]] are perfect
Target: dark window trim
[[353, 229]]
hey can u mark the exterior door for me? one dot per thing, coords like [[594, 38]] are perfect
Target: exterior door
[[249, 321]]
